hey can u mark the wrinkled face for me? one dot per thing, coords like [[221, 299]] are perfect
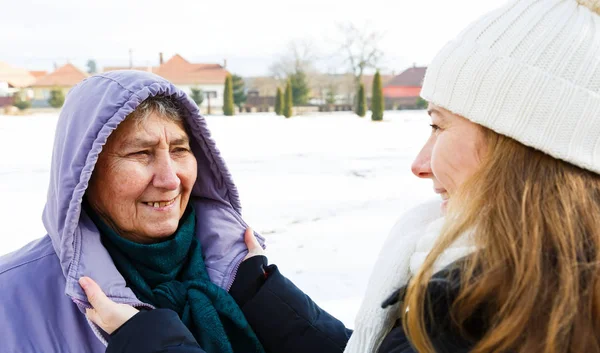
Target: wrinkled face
[[143, 179], [452, 153]]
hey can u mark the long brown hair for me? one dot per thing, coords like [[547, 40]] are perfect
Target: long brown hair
[[535, 221]]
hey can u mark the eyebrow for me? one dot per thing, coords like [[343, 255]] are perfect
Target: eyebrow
[[432, 110], [439, 113], [139, 142], [183, 140]]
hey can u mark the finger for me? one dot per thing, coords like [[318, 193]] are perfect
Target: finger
[[92, 315], [251, 241], [94, 293]]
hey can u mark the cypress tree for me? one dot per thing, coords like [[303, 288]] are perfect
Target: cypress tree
[[361, 108], [288, 102], [377, 103], [228, 97], [278, 102]]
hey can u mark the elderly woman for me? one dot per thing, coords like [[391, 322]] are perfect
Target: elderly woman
[[141, 201], [514, 153]]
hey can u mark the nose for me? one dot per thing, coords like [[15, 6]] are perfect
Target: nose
[[165, 174], [421, 166]]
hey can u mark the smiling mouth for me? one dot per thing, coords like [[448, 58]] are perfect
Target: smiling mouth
[[160, 204], [443, 194]]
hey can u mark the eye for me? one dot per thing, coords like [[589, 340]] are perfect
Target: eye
[[434, 127], [180, 150], [140, 153]]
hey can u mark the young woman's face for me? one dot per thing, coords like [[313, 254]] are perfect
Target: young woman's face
[[452, 153]]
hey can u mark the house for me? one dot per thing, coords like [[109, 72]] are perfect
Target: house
[[38, 74], [403, 90], [12, 80], [210, 78], [336, 91], [63, 78]]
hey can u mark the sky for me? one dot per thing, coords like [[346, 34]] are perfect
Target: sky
[[250, 35]]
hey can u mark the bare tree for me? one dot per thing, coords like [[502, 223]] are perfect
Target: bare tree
[[299, 56], [360, 48], [297, 64]]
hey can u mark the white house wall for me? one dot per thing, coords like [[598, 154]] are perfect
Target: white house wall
[[214, 102]]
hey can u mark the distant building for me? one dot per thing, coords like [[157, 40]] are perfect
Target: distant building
[[210, 78], [402, 92], [336, 90], [38, 74], [12, 80], [64, 78]]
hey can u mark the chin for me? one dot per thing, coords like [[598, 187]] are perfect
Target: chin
[[163, 232], [444, 206]]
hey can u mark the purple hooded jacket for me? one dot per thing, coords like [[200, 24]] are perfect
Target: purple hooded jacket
[[41, 303]]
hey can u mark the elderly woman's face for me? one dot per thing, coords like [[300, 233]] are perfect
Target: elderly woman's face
[[142, 181], [451, 154]]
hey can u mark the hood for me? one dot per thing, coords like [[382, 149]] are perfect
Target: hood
[[92, 110]]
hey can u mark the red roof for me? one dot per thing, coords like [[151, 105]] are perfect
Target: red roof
[[182, 72], [38, 74], [65, 76], [16, 77], [139, 68], [399, 92], [412, 77]]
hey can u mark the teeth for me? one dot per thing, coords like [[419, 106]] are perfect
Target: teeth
[[160, 204]]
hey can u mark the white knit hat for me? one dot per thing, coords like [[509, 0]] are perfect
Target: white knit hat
[[531, 71]]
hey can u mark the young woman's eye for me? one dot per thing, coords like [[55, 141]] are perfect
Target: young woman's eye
[[434, 127]]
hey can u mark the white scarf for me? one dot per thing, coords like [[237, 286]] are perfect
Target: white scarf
[[403, 253]]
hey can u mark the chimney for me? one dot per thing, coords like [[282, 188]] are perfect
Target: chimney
[[224, 63], [160, 59]]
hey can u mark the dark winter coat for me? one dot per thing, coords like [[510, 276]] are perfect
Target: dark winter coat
[[287, 321]]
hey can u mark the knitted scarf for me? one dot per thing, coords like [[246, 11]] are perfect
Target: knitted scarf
[[402, 255], [172, 275]]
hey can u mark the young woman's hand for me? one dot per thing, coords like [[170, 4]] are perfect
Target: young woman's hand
[[105, 313], [254, 248]]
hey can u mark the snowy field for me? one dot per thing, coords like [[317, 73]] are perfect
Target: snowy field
[[324, 189]]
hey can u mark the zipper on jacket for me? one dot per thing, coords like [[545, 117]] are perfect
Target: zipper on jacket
[[238, 263], [95, 328]]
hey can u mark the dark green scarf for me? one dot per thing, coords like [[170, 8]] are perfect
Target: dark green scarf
[[172, 275]]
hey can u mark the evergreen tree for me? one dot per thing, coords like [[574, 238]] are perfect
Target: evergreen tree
[[57, 98], [21, 103], [197, 95], [300, 88], [422, 103], [361, 108], [330, 98], [288, 102], [239, 91], [91, 65], [377, 102], [279, 102], [228, 97]]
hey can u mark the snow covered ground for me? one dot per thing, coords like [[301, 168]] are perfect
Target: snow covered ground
[[324, 189]]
